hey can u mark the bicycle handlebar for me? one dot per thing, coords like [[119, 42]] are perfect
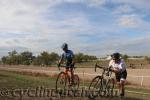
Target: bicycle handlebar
[[109, 70], [97, 66]]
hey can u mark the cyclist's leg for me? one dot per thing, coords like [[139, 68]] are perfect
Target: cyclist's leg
[[72, 73], [66, 72], [67, 68], [122, 83], [118, 81]]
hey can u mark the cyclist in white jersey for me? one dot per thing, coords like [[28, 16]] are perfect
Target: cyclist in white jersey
[[119, 68]]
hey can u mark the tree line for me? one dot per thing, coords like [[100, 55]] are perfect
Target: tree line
[[44, 58]]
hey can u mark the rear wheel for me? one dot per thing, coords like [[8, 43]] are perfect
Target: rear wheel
[[95, 87]]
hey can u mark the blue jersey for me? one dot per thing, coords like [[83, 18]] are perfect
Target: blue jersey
[[68, 56]]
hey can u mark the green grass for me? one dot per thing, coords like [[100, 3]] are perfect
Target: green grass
[[138, 89], [11, 80], [14, 80]]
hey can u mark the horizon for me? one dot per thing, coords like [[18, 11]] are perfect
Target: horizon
[[101, 57], [93, 27]]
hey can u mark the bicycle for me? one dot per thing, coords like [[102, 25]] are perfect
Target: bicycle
[[100, 85], [64, 79]]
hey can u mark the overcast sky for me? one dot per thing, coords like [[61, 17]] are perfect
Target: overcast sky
[[97, 27]]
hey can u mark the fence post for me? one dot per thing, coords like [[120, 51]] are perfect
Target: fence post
[[83, 78], [142, 81]]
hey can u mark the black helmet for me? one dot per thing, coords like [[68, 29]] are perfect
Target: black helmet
[[116, 55], [64, 45]]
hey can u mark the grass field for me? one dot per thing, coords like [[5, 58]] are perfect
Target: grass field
[[10, 81], [14, 80]]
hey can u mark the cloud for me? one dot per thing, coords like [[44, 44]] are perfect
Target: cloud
[[96, 3], [124, 9], [19, 16], [73, 1], [90, 26], [141, 5], [136, 46], [27, 25], [129, 21]]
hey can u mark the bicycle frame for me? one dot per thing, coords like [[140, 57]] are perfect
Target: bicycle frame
[[70, 81], [104, 81], [67, 71]]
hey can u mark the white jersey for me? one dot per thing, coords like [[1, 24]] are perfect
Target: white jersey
[[121, 65]]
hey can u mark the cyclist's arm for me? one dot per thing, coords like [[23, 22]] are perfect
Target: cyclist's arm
[[116, 69], [73, 58], [110, 65], [61, 60]]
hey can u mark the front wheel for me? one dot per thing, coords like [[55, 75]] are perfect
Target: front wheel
[[95, 87], [61, 81]]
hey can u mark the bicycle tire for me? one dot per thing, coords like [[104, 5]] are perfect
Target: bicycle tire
[[95, 87], [61, 78], [110, 87]]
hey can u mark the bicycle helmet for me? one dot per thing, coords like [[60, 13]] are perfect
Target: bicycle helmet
[[115, 55], [64, 45]]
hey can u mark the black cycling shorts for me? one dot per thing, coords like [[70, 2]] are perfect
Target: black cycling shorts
[[122, 75], [69, 66]]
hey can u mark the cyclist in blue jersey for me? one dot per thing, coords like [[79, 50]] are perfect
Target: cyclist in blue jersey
[[68, 57]]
